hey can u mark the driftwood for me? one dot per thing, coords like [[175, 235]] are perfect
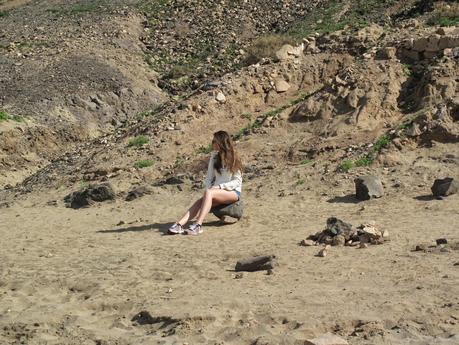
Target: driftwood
[[257, 263]]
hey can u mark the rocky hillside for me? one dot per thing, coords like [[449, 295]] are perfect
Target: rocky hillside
[[151, 67]]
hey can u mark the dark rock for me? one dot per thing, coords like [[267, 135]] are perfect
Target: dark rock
[[174, 180], [90, 195], [137, 192], [143, 318], [445, 187], [367, 187], [441, 241], [234, 210], [257, 263]]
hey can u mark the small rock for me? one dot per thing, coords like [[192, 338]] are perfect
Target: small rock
[[441, 241], [269, 272], [307, 243], [239, 275], [363, 245], [420, 248], [137, 192], [220, 97]]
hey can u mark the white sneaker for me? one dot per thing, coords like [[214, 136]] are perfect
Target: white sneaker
[[176, 229]]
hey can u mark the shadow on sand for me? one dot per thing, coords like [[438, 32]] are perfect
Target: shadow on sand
[[160, 227], [429, 197], [347, 199]]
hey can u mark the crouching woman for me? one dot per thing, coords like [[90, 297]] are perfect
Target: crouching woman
[[223, 185]]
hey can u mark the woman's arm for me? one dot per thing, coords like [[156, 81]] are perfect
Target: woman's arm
[[235, 183], [210, 178]]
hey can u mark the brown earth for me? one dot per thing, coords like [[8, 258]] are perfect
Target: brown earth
[[80, 276]]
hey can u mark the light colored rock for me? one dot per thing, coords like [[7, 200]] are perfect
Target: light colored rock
[[281, 85], [288, 52], [220, 97], [389, 53], [308, 243], [327, 339]]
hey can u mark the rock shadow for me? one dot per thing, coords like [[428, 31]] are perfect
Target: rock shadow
[[428, 197], [347, 199]]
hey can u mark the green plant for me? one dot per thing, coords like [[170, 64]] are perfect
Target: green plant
[[407, 70], [363, 161], [143, 163], [381, 143], [300, 182], [3, 14], [138, 141], [346, 165], [444, 14], [306, 161], [205, 149], [4, 116]]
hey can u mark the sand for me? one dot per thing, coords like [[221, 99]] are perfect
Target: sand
[[75, 277]]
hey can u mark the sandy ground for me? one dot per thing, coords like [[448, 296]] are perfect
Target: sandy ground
[[75, 277]]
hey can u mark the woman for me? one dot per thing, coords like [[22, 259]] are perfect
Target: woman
[[223, 184]]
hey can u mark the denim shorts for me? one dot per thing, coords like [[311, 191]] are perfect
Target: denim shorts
[[238, 194]]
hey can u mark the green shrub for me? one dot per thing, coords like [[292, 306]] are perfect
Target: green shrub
[[3, 14], [306, 161], [363, 161], [7, 117], [138, 141], [205, 149], [346, 165], [143, 163]]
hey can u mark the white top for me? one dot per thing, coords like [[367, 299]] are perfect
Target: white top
[[225, 179]]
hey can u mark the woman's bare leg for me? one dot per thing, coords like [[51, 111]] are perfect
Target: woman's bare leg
[[214, 197], [191, 212]]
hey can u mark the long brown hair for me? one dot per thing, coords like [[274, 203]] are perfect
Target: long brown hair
[[227, 156]]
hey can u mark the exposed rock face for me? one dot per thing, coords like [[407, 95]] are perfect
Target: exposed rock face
[[367, 187], [445, 187], [88, 196]]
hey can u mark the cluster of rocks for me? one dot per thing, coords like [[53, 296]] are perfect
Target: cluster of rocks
[[88, 196], [444, 42], [340, 233]]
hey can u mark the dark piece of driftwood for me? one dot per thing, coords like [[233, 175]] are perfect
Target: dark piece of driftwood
[[257, 263]]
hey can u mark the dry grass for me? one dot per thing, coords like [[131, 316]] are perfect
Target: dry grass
[[445, 14], [266, 46]]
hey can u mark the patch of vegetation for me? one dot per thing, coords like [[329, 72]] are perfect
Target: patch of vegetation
[[363, 162], [266, 46], [300, 182], [138, 141], [76, 9], [143, 163], [407, 70], [4, 116], [3, 14], [306, 161], [346, 165], [205, 149], [445, 15], [337, 15], [272, 113]]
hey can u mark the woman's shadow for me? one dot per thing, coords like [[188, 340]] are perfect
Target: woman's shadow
[[160, 227]]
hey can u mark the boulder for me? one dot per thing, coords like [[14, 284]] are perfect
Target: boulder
[[234, 210], [445, 187], [88, 196], [367, 187], [326, 339], [287, 52], [281, 85]]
